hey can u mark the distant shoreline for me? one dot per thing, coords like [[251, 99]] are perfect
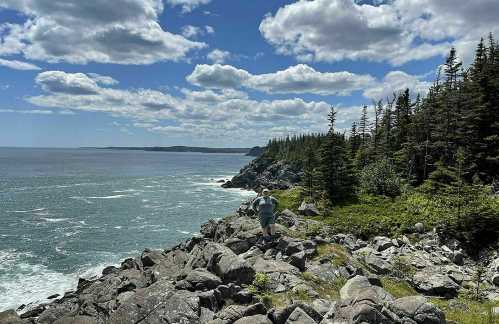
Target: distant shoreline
[[177, 149]]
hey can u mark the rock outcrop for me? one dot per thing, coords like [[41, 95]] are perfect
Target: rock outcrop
[[265, 173], [227, 276]]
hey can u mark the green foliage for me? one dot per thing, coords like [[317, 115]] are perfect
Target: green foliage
[[290, 198], [467, 311], [338, 254], [380, 178], [261, 282]]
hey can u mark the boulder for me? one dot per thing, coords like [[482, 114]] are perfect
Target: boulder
[[308, 209], [495, 279], [298, 316], [274, 266], [287, 218], [10, 317], [417, 308], [280, 316], [202, 279], [298, 260], [434, 283], [360, 284], [158, 303], [377, 264], [419, 228], [151, 257], [382, 243], [458, 257], [232, 268]]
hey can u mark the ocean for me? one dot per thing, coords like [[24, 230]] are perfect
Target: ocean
[[68, 213]]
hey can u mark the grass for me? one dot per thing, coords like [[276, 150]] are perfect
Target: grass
[[326, 290], [472, 312], [338, 253], [289, 199], [398, 288]]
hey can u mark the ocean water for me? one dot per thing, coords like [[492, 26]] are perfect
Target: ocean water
[[68, 213]]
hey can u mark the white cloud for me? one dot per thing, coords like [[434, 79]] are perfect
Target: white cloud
[[188, 5], [295, 79], [122, 32], [396, 31], [27, 112], [219, 114], [18, 65], [218, 56], [209, 29], [394, 82]]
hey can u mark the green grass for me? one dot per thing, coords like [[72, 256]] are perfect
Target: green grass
[[339, 255], [326, 290], [398, 288], [289, 199], [472, 312]]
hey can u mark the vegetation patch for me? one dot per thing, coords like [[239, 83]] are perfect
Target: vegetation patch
[[290, 198], [467, 311], [339, 255], [397, 287]]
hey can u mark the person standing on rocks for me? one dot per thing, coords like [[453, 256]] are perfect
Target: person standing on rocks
[[265, 206]]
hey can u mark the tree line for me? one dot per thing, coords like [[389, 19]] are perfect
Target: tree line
[[447, 139]]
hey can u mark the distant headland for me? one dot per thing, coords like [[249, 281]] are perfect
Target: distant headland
[[254, 151]]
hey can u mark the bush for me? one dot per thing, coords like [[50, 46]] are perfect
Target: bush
[[379, 178]]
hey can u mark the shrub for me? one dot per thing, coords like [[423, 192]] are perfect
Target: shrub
[[379, 178]]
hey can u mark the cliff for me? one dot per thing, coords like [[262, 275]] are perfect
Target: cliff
[[308, 275]]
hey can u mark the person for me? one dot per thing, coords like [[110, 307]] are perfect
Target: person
[[265, 206]]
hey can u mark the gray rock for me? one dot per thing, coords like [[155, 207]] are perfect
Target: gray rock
[[10, 317], [232, 268], [298, 260], [237, 245], [298, 316], [359, 285], [308, 209], [255, 319], [495, 279], [280, 316], [382, 243], [418, 309], [288, 218], [151, 257], [458, 257], [437, 284], [271, 266], [322, 306], [158, 303], [419, 228], [377, 264], [202, 279]]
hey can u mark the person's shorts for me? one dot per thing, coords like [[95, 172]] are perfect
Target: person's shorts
[[266, 220]]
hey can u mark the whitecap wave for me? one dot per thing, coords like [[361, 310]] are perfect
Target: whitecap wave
[[109, 197], [54, 220], [26, 211]]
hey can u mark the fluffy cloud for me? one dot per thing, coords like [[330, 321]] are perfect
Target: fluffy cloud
[[190, 31], [211, 113], [188, 5], [396, 31], [295, 79], [18, 65], [76, 31], [218, 56], [394, 82]]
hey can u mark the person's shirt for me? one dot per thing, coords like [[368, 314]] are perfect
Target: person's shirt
[[265, 205]]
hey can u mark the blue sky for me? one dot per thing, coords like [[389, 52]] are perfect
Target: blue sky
[[215, 72]]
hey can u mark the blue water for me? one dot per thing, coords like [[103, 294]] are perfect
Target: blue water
[[66, 213]]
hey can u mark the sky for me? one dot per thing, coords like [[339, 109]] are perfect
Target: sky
[[218, 73]]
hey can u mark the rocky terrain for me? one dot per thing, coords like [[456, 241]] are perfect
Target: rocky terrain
[[265, 173], [308, 275]]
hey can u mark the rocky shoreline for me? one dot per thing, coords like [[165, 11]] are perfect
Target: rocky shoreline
[[263, 172], [308, 275]]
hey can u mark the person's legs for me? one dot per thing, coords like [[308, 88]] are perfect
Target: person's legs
[[272, 229]]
